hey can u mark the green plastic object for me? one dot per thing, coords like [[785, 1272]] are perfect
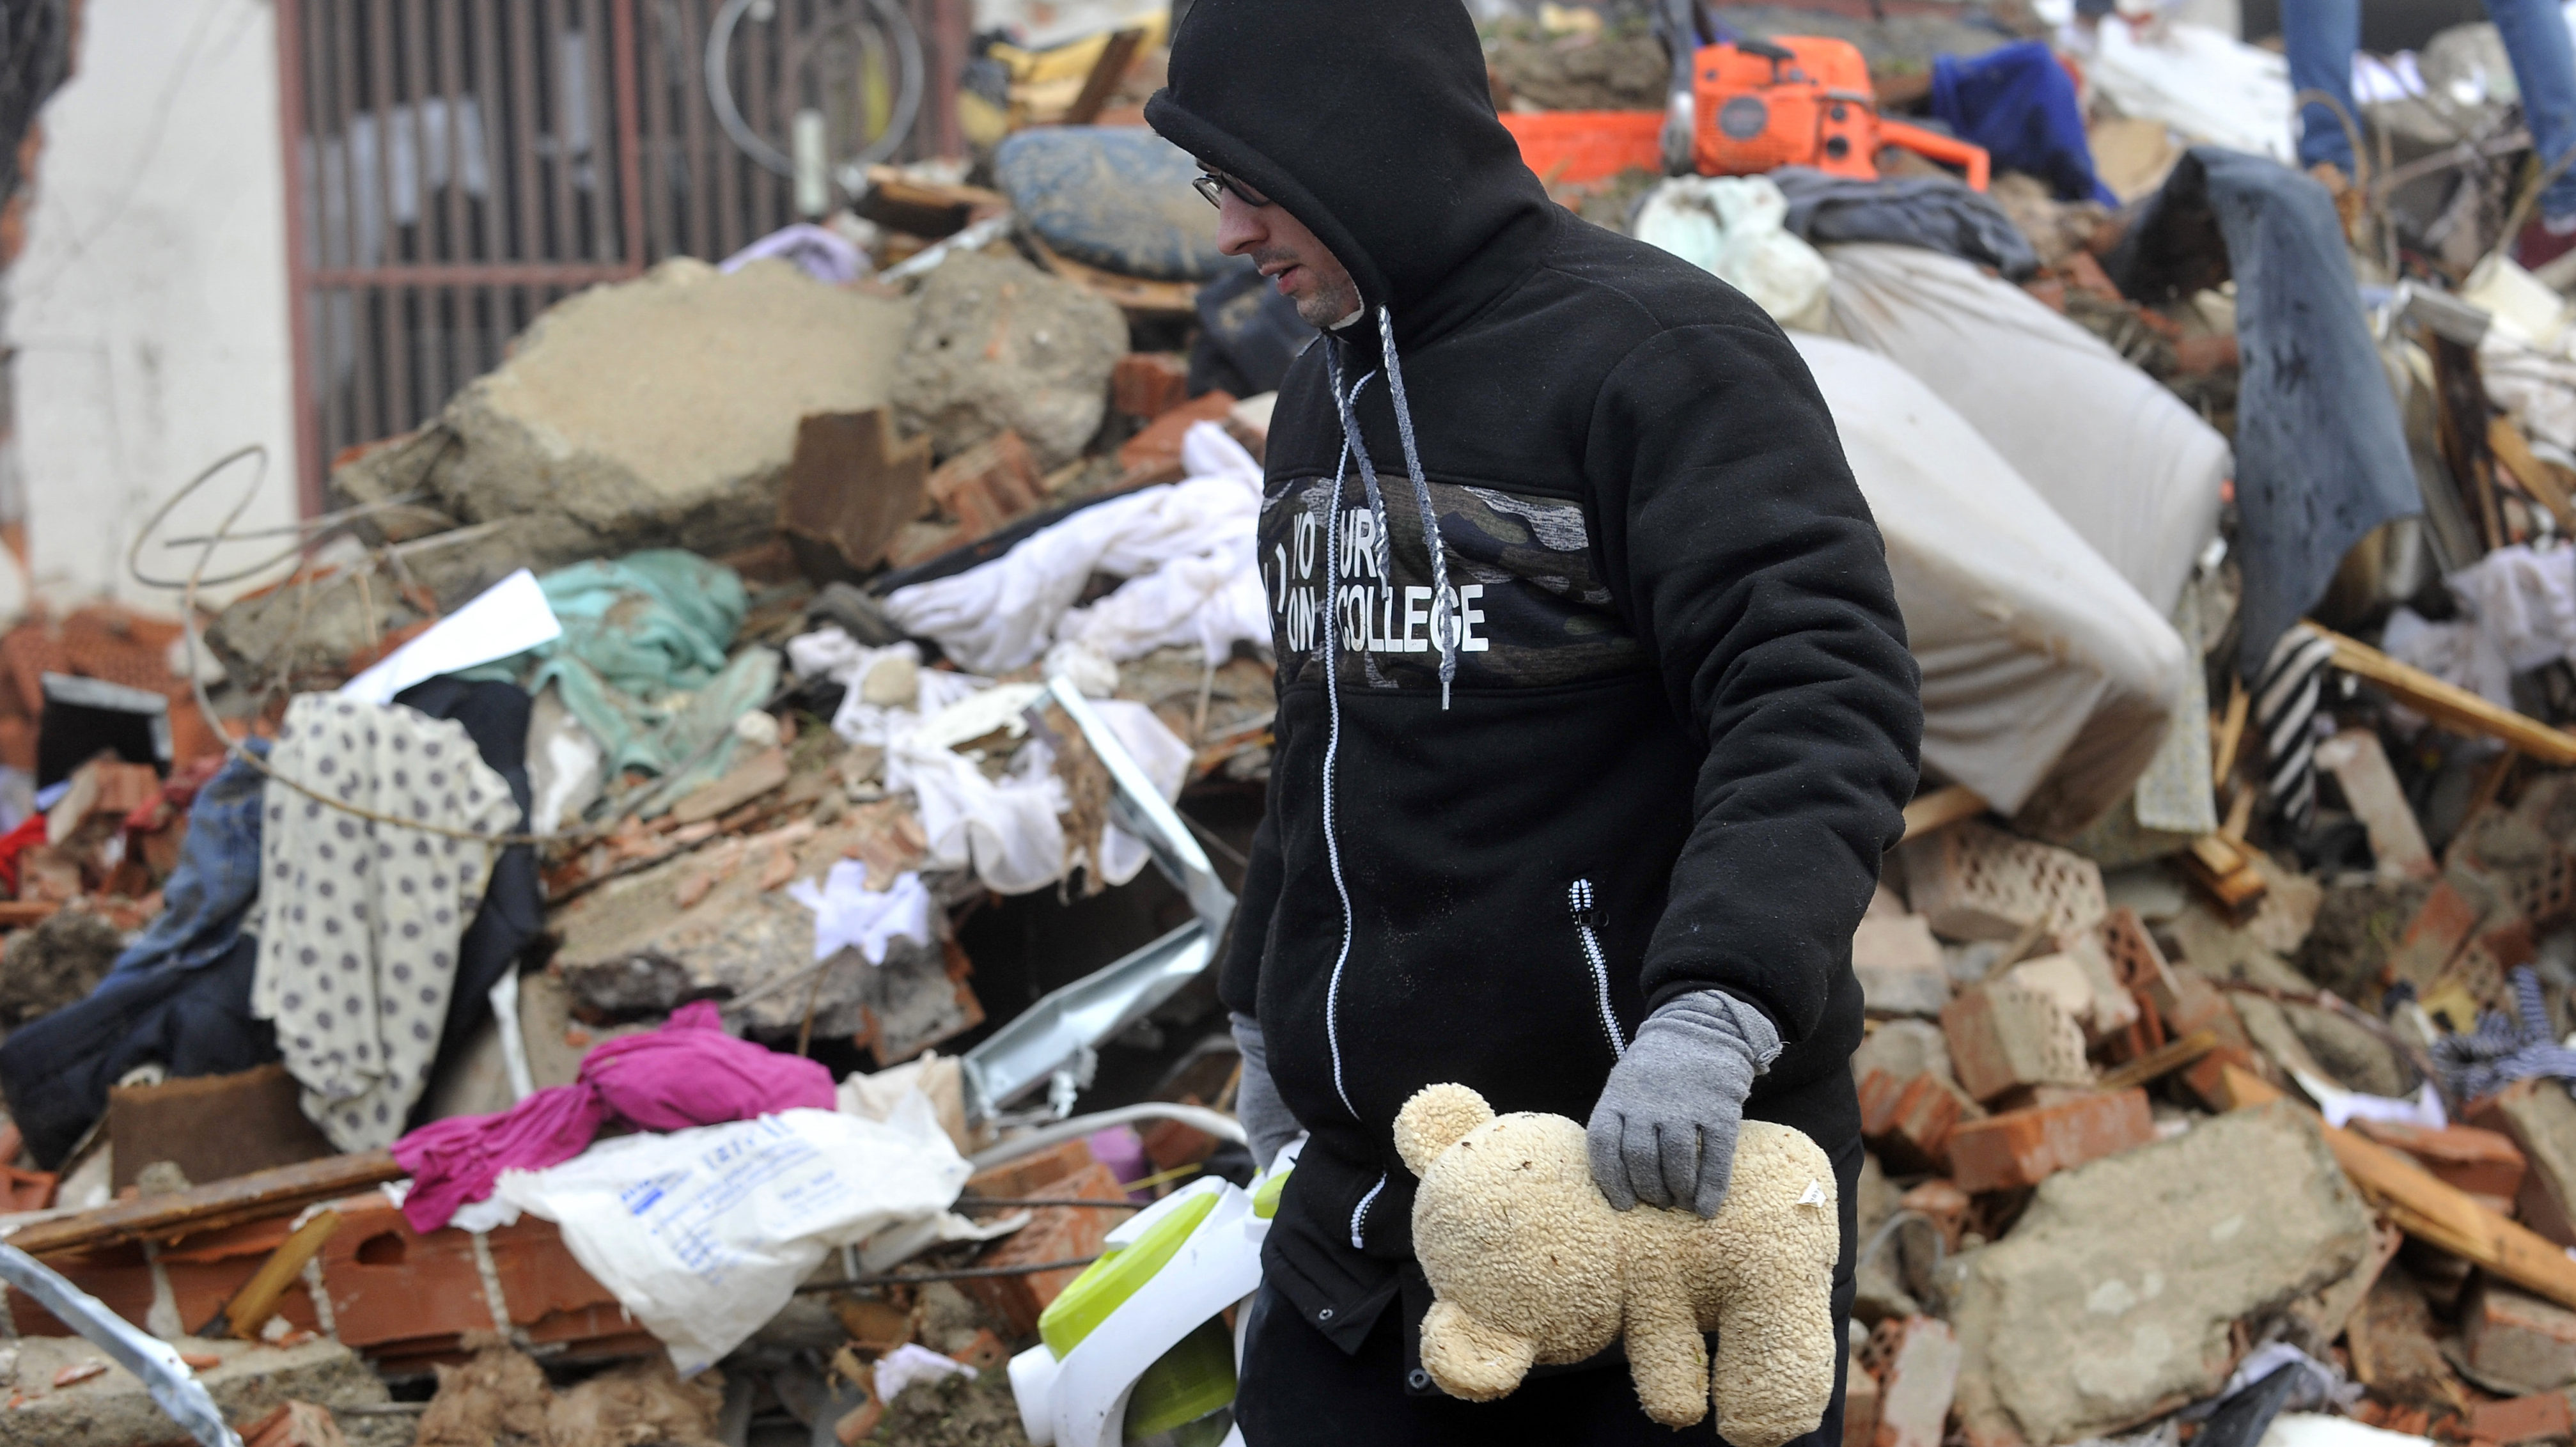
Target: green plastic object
[[1265, 1197], [1192, 1382], [1106, 1284]]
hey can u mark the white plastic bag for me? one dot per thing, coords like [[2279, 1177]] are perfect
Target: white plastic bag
[[703, 1234], [1735, 227]]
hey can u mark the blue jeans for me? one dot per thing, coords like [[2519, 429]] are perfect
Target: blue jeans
[[2321, 36]]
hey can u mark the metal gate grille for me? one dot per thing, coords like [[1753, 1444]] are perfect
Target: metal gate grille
[[457, 166]]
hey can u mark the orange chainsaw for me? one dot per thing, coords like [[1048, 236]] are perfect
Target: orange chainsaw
[[1801, 100]]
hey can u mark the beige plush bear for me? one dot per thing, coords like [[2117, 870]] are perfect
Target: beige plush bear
[[1529, 1264]]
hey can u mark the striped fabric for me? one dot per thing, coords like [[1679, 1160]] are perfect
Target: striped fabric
[[2285, 711], [2504, 1049]]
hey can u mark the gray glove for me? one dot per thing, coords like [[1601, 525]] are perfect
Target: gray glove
[[1257, 1104], [1663, 1131]]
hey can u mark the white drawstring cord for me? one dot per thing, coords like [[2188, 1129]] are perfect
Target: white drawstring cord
[[1440, 603]]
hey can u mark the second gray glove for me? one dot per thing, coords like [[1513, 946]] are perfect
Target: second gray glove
[[1664, 1129], [1265, 1116]]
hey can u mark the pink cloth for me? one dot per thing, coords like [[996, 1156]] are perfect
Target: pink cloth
[[689, 1072]]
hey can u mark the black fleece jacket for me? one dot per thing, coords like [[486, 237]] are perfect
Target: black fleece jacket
[[1684, 719]]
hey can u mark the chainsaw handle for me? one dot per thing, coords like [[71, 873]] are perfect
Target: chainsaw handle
[[1776, 54], [1937, 147]]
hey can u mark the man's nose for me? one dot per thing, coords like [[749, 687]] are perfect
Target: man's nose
[[1238, 226]]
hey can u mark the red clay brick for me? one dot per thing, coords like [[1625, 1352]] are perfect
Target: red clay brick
[[2002, 1035], [1944, 1205], [1054, 1233], [1156, 451], [1149, 384], [988, 485], [1922, 1374], [2025, 1147], [2481, 1162], [2524, 1419], [1908, 1122], [2444, 923]]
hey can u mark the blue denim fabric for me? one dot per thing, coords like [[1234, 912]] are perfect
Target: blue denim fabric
[[2321, 36], [210, 891]]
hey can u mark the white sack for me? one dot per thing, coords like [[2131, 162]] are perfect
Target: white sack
[[1002, 615], [2128, 466], [703, 1234], [2047, 681]]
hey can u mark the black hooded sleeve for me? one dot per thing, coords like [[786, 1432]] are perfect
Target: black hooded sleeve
[[1741, 550]]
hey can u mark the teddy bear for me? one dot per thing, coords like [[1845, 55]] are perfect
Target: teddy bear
[[1529, 1264]]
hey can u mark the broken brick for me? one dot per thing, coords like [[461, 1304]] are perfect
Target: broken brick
[[988, 486], [2441, 927], [1944, 1205], [1909, 1122], [1974, 882], [2524, 1419], [294, 1424], [2002, 1035], [1154, 455], [2024, 1147], [1054, 1233], [2480, 1162], [2514, 1340], [1899, 967], [2540, 1120], [1919, 1379], [1145, 385]]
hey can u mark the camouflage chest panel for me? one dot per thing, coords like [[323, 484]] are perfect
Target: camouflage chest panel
[[1530, 610]]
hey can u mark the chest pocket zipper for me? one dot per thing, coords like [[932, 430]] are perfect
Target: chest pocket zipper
[[1580, 903]]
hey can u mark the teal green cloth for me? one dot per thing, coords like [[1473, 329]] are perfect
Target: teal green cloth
[[643, 663]]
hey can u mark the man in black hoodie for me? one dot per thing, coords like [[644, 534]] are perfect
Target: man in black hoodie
[[1579, 805]]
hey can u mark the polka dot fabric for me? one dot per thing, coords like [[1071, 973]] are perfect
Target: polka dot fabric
[[358, 921]]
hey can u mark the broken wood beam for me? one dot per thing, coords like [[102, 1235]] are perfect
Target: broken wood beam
[[1943, 807], [1111, 68], [2448, 704], [2162, 1061], [2427, 1208], [2537, 477], [257, 1196]]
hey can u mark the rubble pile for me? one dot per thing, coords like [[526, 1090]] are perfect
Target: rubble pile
[[802, 718]]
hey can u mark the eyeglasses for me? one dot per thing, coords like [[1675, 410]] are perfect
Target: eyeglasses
[[1214, 186]]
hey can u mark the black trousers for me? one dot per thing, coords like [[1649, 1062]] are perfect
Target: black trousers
[[1300, 1390]]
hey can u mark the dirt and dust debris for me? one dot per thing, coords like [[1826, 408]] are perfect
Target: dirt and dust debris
[[954, 1412], [57, 962], [501, 1398]]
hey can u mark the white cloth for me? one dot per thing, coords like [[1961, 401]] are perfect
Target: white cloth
[[1003, 614], [358, 921], [2537, 387], [703, 1234], [2202, 82], [911, 1363], [2524, 602], [830, 652], [849, 915], [2048, 682], [2119, 457], [1011, 830], [1736, 228]]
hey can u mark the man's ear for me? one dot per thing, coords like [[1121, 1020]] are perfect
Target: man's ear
[[1438, 1117]]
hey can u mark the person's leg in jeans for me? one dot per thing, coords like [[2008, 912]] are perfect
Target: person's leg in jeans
[[2544, 66], [2321, 36]]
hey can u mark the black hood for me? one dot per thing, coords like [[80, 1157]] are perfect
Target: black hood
[[1371, 122]]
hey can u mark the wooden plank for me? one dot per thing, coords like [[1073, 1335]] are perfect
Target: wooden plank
[[1129, 293], [2162, 1061], [1942, 808], [251, 1307], [2537, 478], [2448, 704], [1110, 69], [261, 1194], [2427, 1208], [2230, 734]]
